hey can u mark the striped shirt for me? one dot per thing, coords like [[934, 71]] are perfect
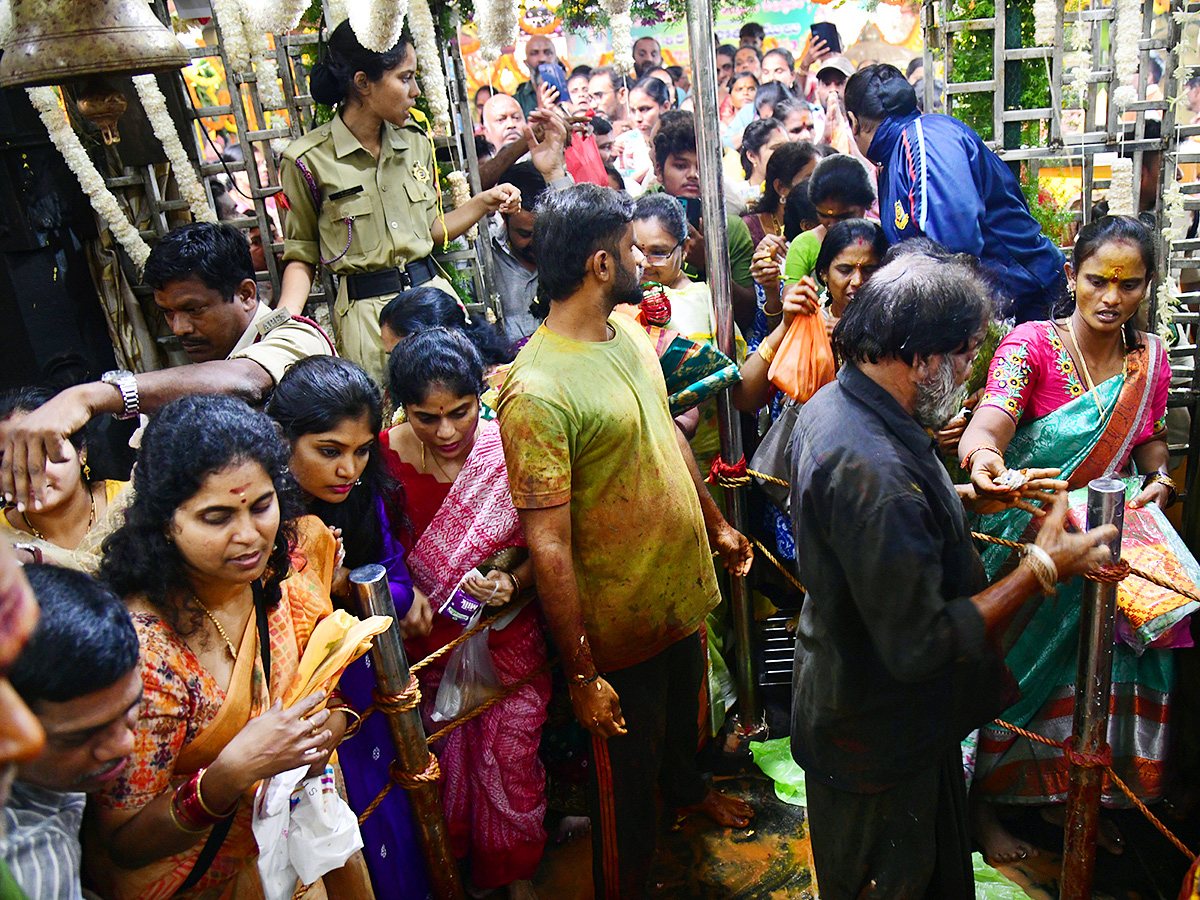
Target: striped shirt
[[41, 841]]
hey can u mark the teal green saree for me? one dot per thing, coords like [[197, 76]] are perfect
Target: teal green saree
[[1085, 439]]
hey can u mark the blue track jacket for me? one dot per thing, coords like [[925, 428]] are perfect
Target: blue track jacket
[[937, 178]]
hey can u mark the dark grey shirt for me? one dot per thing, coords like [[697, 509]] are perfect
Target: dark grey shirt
[[892, 663]]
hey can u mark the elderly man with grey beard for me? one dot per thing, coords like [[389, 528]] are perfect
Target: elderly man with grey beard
[[897, 655]]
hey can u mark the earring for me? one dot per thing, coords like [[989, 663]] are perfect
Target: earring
[[400, 416], [87, 471]]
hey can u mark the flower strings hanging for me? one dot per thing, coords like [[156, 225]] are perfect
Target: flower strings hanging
[[1045, 20], [498, 21], [337, 13], [1120, 190], [190, 189], [460, 192], [433, 79], [377, 23], [45, 101], [622, 33], [274, 16], [233, 34], [1127, 27]]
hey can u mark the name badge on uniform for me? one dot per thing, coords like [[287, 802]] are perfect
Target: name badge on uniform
[[273, 321]]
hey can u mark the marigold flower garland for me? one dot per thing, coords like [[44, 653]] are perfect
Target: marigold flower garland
[[433, 79], [460, 192], [45, 101], [155, 105], [377, 23]]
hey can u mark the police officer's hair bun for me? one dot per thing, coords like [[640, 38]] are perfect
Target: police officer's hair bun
[[878, 91], [332, 79], [324, 86]]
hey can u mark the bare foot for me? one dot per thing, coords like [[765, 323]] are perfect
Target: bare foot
[[1108, 835], [731, 812], [522, 890], [999, 846], [571, 827]]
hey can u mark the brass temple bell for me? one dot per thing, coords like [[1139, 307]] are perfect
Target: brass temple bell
[[58, 41]]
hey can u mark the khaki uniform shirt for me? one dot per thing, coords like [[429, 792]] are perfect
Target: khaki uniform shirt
[[392, 200], [280, 346]]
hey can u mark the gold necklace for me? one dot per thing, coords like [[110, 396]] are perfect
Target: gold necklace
[[91, 518], [436, 462], [1087, 376], [220, 630]]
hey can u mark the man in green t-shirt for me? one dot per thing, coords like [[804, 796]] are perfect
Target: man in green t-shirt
[[620, 527]]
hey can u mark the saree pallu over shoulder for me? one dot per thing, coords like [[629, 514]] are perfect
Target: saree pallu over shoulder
[[476, 520], [164, 746], [1086, 440]]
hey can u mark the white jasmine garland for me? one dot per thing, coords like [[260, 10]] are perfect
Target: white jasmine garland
[[274, 16], [460, 192], [1120, 190], [377, 23], [1127, 26], [233, 33], [5, 21], [1168, 303], [336, 13], [622, 33], [433, 79], [45, 101], [155, 105], [1045, 18], [497, 22], [266, 69]]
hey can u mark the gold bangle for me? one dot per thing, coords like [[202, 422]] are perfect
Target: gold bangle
[[766, 351], [178, 820], [353, 727], [771, 315], [200, 798], [516, 584]]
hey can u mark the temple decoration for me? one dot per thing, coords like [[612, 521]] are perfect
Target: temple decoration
[[57, 41], [377, 23], [190, 189], [45, 101], [102, 104], [433, 79], [460, 193]]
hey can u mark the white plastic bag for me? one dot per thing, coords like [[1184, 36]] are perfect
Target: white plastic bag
[[470, 677], [303, 829]]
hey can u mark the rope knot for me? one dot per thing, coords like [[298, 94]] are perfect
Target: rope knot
[[1113, 573], [432, 772], [1101, 759], [728, 475], [407, 699]]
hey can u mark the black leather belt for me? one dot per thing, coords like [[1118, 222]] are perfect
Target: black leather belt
[[390, 281]]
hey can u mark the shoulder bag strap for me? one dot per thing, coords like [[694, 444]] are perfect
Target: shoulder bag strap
[[220, 831]]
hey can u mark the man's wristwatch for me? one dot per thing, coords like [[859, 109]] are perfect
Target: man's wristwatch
[[125, 382]]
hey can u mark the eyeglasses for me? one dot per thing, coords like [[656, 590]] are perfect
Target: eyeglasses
[[661, 259]]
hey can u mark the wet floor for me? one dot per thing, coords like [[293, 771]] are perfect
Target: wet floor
[[698, 860], [772, 860]]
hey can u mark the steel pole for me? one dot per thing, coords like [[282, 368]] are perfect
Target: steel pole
[[392, 676], [1093, 686], [712, 201]]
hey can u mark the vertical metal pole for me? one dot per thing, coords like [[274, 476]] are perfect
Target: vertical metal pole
[[712, 200], [412, 753], [1093, 686]]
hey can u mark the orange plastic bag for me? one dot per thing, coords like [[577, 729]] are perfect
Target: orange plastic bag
[[803, 364]]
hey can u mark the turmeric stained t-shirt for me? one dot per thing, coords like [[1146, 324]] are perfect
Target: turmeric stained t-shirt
[[587, 423]]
